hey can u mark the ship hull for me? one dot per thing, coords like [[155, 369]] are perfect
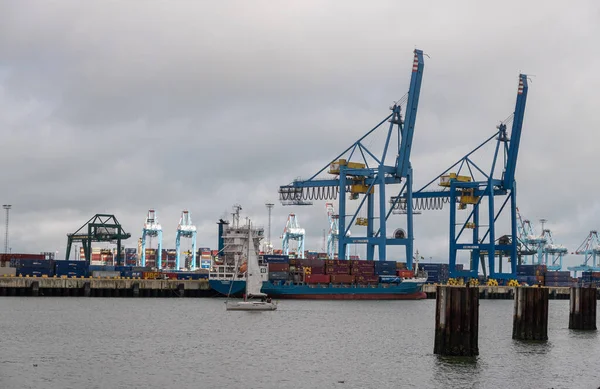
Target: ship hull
[[402, 291], [225, 288]]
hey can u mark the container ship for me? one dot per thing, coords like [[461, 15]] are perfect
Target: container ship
[[338, 279], [312, 278]]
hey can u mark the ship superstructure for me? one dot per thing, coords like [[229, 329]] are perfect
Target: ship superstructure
[[228, 266]]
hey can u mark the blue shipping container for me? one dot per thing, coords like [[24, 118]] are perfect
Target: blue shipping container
[[385, 264], [71, 273], [66, 266], [268, 258], [385, 272], [35, 271], [100, 268], [37, 263]]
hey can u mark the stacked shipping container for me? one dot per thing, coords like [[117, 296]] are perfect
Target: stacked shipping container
[[590, 279], [70, 268], [531, 274], [558, 278], [437, 273], [5, 258], [313, 270], [33, 267]]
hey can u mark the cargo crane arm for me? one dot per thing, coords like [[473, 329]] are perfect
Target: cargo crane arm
[[358, 170], [465, 184]]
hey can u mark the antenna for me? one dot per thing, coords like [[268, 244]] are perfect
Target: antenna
[[543, 221], [236, 215]]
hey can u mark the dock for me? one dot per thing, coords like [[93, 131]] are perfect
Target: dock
[[504, 292], [99, 287], [121, 287]]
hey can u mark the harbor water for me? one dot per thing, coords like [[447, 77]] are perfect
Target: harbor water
[[75, 342]]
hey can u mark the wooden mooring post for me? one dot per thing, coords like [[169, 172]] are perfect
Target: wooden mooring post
[[457, 321], [530, 319], [582, 312]]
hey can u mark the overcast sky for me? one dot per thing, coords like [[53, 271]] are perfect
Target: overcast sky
[[118, 107]]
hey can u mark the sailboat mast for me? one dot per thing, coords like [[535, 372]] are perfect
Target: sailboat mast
[[248, 258]]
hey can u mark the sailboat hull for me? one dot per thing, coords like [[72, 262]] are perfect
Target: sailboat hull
[[224, 286], [250, 306]]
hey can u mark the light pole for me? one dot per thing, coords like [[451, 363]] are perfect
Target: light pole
[[270, 208], [7, 207]]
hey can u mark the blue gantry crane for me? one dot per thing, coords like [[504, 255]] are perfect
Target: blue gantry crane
[[293, 231], [185, 229], [152, 229], [467, 190], [333, 234], [590, 249], [363, 179]]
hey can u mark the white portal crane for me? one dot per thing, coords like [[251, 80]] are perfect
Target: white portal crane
[[334, 231], [187, 230], [293, 231], [152, 229]]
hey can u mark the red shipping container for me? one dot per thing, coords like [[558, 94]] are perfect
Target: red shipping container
[[362, 263], [317, 278], [337, 270], [362, 271], [367, 279], [313, 270], [342, 279], [7, 257], [406, 273], [274, 267], [334, 262]]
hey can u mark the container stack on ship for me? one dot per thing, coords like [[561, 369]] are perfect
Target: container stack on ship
[[338, 279]]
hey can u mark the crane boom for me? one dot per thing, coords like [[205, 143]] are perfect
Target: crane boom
[[515, 135], [408, 129]]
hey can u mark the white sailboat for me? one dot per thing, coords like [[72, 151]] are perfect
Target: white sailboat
[[254, 299]]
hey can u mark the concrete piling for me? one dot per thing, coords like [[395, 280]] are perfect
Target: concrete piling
[[582, 310], [457, 321], [530, 318]]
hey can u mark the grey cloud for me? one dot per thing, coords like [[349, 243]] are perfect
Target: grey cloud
[[122, 107]]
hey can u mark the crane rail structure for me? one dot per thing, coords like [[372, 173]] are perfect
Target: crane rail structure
[[100, 228], [359, 178], [468, 186]]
